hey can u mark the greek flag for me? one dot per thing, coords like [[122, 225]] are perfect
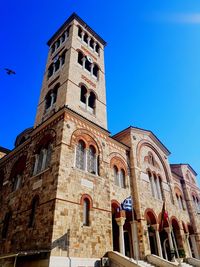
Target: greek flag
[[127, 204]]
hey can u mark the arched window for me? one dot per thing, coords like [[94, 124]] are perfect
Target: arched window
[[87, 100], [6, 223], [160, 187], [196, 204], [17, 173], [83, 95], [57, 63], [43, 157], [92, 43], [80, 155], [53, 48], [50, 70], [85, 38], [86, 212], [88, 65], [92, 160], [80, 32], [62, 58], [34, 205], [57, 43], [122, 178], [97, 48], [50, 98], [181, 202], [80, 58], [91, 102], [95, 70], [151, 180], [115, 172]]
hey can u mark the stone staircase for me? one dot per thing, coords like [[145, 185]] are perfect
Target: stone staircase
[[118, 260], [145, 264], [184, 264]]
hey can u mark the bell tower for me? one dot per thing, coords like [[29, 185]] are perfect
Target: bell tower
[[74, 74]]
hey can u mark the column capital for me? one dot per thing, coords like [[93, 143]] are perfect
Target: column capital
[[167, 229], [156, 226], [120, 221]]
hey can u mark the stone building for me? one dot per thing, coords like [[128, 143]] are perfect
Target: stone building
[[62, 186]]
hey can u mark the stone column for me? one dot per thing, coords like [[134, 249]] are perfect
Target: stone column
[[156, 228], [194, 246], [168, 230], [82, 36], [95, 44], [134, 239], [84, 59], [188, 244], [120, 221], [88, 41]]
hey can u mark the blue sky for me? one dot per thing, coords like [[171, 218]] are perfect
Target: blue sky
[[152, 65]]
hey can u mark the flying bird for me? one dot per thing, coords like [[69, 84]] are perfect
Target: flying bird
[[9, 71]]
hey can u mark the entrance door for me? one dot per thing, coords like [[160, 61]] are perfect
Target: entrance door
[[127, 244]]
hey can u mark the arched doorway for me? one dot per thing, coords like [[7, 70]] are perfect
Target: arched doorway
[[151, 221], [127, 229], [115, 229], [164, 238], [176, 236]]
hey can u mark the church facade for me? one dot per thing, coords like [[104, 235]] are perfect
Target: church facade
[[62, 186]]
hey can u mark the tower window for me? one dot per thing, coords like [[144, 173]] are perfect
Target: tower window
[[80, 58], [85, 38], [57, 43], [80, 32], [95, 70], [91, 102], [80, 155], [50, 98], [53, 48], [50, 71], [6, 224], [83, 94], [34, 206], [57, 64], [87, 65], [86, 212], [92, 43], [62, 59], [97, 48], [88, 100]]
